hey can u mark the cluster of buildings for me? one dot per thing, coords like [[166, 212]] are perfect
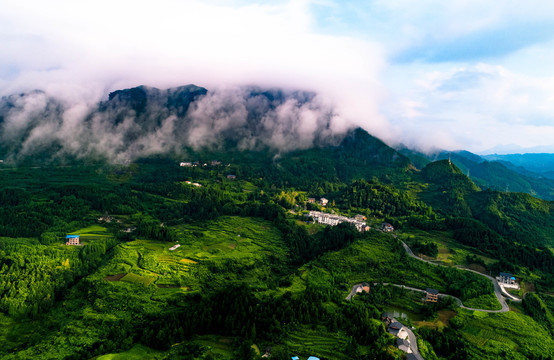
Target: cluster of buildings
[[321, 202], [197, 163], [401, 332], [333, 220]]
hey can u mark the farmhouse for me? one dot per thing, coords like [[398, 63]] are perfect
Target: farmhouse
[[185, 164], [431, 295], [174, 247], [72, 240], [323, 202], [506, 278], [403, 345], [386, 227], [398, 330], [231, 177], [311, 200], [362, 287]]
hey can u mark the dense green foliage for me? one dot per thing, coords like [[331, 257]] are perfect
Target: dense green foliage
[[250, 269]]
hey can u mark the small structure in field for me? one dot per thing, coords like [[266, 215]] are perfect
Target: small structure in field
[[323, 202], [185, 164], [431, 295], [386, 227], [174, 247], [313, 358], [231, 177], [311, 200], [72, 240]]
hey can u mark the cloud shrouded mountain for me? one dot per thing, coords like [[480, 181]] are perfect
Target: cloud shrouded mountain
[[142, 121]]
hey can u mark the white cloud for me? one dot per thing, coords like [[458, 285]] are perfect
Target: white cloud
[[478, 107], [82, 50]]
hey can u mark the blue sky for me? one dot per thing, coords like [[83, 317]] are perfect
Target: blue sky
[[460, 74]]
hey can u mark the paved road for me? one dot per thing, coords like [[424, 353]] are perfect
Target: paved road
[[497, 290]]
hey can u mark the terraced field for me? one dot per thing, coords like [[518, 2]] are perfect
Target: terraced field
[[307, 342]]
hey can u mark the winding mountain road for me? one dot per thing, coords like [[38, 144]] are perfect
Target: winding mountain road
[[501, 295], [498, 291]]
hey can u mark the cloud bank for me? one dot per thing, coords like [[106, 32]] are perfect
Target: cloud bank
[[456, 74], [105, 45], [145, 121]]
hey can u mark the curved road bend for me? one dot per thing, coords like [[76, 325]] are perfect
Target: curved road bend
[[497, 289]]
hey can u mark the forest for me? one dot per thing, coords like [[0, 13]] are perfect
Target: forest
[[252, 272]]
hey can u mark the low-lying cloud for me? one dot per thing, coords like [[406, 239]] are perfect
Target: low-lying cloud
[[245, 118]]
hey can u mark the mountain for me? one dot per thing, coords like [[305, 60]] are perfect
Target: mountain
[[142, 121], [497, 175], [537, 164]]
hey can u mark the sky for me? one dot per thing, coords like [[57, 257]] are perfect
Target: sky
[[459, 74]]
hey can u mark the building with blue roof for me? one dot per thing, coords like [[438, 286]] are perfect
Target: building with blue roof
[[72, 240]]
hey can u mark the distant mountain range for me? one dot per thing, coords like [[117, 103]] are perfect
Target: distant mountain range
[[497, 171]]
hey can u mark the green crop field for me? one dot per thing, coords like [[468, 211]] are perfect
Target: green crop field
[[137, 352], [137, 279], [504, 335]]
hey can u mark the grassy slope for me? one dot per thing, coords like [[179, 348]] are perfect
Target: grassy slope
[[504, 335]]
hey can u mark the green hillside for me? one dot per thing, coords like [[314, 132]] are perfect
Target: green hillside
[[253, 271]]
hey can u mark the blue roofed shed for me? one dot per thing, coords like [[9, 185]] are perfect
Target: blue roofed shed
[[313, 358], [295, 358]]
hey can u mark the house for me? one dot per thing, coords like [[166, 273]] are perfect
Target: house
[[362, 287], [185, 164], [403, 345], [295, 358], [231, 177], [174, 247], [386, 227], [360, 217], [323, 202], [313, 358], [398, 330], [311, 200], [72, 240], [387, 318], [196, 184], [431, 295], [506, 278]]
